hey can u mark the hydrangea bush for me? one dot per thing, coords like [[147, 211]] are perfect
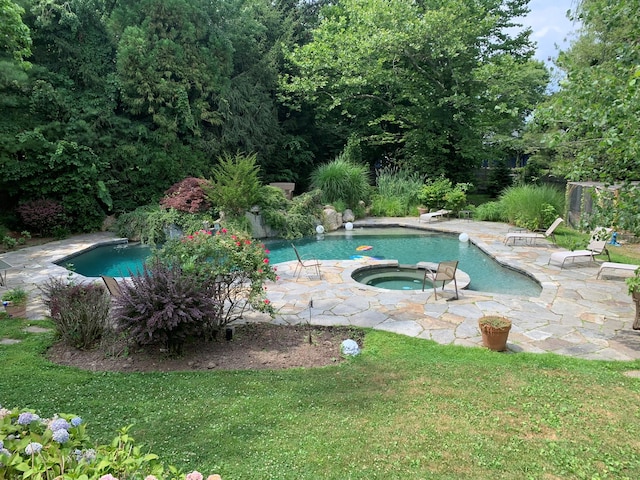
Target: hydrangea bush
[[59, 448]]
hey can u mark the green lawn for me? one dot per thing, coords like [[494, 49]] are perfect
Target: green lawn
[[404, 409]]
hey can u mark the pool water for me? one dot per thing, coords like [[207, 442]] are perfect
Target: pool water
[[406, 246]]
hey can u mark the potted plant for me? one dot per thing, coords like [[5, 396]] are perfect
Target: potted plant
[[633, 284], [15, 302], [495, 331]]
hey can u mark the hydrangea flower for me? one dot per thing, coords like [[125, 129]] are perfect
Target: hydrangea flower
[[75, 421], [195, 475], [108, 476], [25, 418], [150, 477], [33, 448], [59, 424], [60, 436], [88, 455], [4, 451]]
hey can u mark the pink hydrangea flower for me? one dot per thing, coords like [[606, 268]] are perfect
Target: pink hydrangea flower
[[150, 477], [214, 477], [195, 475], [108, 476]]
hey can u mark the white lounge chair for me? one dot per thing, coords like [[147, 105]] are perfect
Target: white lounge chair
[[617, 267], [533, 236], [438, 214], [596, 247]]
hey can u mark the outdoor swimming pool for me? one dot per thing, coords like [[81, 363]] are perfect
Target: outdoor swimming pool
[[405, 245]]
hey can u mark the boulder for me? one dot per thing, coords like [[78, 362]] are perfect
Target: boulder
[[348, 216], [332, 220]]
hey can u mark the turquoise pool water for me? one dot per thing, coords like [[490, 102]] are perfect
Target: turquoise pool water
[[407, 246]]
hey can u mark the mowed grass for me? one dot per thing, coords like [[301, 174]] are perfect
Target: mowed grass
[[403, 409]]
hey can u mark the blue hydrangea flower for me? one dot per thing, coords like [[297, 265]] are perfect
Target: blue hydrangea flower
[[33, 448], [60, 436], [75, 421], [25, 418], [90, 455], [1, 444], [4, 451], [59, 424]]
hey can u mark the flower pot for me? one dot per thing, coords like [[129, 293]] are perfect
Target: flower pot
[[16, 311], [495, 333]]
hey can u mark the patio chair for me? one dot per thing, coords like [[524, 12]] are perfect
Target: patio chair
[[438, 214], [304, 264], [533, 236], [445, 272], [3, 275], [596, 247], [112, 286]]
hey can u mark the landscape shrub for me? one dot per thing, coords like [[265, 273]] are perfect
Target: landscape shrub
[[42, 215], [300, 217], [532, 206], [235, 184], [151, 223], [342, 180], [45, 449], [168, 305], [441, 193], [80, 312], [188, 196], [233, 265]]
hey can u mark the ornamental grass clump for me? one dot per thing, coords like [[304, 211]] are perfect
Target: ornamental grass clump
[[45, 449], [80, 312]]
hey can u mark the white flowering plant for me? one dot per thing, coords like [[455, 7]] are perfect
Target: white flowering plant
[[59, 448]]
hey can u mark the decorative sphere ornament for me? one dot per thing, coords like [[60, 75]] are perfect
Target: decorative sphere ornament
[[320, 229], [348, 226], [463, 237]]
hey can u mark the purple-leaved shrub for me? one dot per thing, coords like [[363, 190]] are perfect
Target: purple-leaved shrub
[[42, 216], [188, 196], [165, 304], [80, 312]]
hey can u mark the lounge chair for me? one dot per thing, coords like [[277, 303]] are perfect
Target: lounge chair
[[594, 248], [304, 264], [533, 236], [438, 214], [445, 272], [112, 286], [619, 267]]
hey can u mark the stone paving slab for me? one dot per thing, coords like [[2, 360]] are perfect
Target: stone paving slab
[[575, 315]]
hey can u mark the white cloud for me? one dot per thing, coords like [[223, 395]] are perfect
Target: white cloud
[[550, 26]]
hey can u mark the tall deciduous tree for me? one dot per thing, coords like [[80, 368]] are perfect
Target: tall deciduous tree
[[440, 80], [14, 34], [594, 119]]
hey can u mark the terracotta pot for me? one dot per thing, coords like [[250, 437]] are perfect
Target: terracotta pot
[[16, 311], [494, 337]]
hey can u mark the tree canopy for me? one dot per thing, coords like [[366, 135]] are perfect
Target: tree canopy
[[442, 82], [594, 118]]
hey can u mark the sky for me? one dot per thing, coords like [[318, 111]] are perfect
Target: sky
[[550, 25]]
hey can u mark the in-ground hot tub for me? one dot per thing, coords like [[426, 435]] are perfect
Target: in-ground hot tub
[[402, 277]]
